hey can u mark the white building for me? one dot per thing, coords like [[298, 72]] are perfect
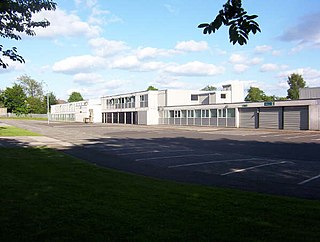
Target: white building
[[82, 111], [148, 107], [221, 108]]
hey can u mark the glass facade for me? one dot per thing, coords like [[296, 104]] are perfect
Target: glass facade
[[223, 117]]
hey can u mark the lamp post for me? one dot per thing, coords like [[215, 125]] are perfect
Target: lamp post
[[48, 108]]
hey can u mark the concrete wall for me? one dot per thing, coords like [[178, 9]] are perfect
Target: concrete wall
[[3, 111], [314, 116]]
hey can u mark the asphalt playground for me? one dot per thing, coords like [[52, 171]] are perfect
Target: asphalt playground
[[267, 161]]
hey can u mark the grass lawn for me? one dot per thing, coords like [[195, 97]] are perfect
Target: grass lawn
[[24, 118], [15, 131], [48, 196]]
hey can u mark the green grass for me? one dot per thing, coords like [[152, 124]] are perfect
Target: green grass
[[48, 196], [24, 118], [15, 131]]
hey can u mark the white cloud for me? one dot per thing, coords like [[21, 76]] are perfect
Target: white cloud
[[195, 68], [152, 66], [150, 52], [310, 75], [254, 61], [104, 47], [74, 64], [242, 63], [237, 58], [63, 24], [12, 65], [239, 68], [191, 46], [269, 67], [263, 49], [88, 78], [125, 62]]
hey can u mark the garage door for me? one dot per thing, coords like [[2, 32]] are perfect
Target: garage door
[[248, 118], [296, 118], [270, 118], [142, 117]]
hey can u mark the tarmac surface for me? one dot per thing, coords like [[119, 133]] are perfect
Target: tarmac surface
[[267, 161]]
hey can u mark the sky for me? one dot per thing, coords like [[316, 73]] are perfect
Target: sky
[[105, 47]]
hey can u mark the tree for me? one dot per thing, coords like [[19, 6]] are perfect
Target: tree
[[15, 99], [16, 18], [209, 88], [34, 92], [35, 105], [255, 94], [31, 87], [75, 97], [295, 82], [236, 18], [1, 99], [52, 101], [152, 88]]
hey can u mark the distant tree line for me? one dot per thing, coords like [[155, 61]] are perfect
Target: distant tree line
[[26, 96], [295, 82]]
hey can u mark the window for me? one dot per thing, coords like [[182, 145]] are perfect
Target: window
[[183, 113], [231, 113], [190, 113], [177, 114], [222, 113], [223, 96], [213, 113], [205, 114], [198, 113], [144, 100], [194, 97], [171, 114]]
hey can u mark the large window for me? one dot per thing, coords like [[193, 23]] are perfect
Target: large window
[[198, 113], [205, 113], [231, 113], [213, 113]]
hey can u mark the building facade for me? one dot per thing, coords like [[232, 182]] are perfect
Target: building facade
[[149, 107], [222, 108], [82, 111]]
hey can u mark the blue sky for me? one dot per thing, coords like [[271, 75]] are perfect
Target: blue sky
[[103, 47]]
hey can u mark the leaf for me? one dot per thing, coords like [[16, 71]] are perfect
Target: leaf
[[250, 17], [203, 25]]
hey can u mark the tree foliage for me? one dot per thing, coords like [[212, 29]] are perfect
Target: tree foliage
[[16, 18], [255, 94], [26, 96], [15, 99], [75, 97], [31, 87], [152, 88], [236, 18], [209, 88], [295, 82]]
